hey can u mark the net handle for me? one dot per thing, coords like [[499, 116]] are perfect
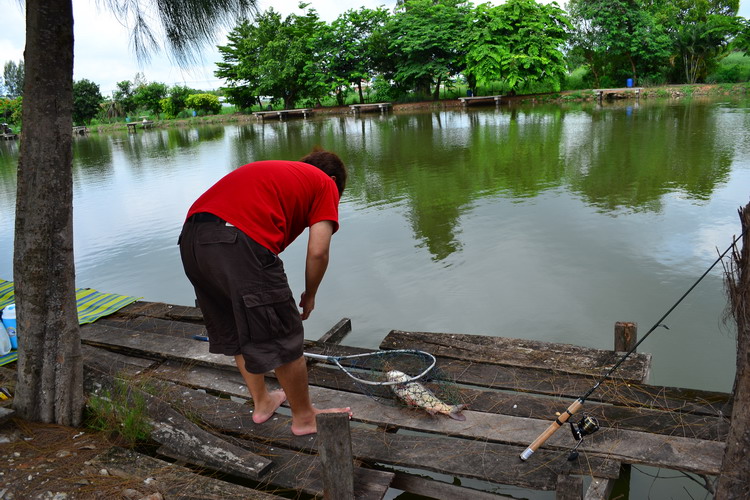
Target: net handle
[[337, 361]]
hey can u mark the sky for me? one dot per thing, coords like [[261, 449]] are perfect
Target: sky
[[104, 56]]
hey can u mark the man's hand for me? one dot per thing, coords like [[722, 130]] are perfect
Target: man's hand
[[316, 263], [307, 303]]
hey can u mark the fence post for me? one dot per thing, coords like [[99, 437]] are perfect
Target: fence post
[[626, 336], [335, 441]]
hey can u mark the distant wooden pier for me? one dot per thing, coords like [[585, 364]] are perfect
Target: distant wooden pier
[[283, 113], [480, 99], [514, 388], [381, 106], [144, 124], [620, 92]]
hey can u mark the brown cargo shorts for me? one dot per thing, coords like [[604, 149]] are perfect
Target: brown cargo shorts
[[243, 292]]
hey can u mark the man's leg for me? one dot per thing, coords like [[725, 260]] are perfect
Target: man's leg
[[293, 378], [266, 403]]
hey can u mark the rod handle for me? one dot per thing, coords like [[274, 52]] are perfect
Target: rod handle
[[544, 436]]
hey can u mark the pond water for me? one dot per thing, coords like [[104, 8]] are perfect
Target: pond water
[[548, 222]]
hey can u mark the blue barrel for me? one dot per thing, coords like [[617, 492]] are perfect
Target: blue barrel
[[629, 82]]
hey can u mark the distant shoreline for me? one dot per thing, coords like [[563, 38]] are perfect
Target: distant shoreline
[[666, 91]]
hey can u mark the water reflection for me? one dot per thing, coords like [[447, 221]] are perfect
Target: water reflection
[[534, 221]]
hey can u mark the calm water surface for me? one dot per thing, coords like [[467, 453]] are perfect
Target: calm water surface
[[540, 222]]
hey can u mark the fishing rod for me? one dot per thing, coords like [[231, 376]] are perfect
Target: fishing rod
[[578, 403]]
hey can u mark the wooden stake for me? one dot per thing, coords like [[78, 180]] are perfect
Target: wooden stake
[[336, 454]]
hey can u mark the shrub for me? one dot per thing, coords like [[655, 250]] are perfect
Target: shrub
[[205, 103]]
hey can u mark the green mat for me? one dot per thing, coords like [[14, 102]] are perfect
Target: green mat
[[91, 304]]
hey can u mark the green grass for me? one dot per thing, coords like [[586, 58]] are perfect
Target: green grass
[[121, 412]]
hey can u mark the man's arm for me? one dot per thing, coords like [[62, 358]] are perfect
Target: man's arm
[[316, 263]]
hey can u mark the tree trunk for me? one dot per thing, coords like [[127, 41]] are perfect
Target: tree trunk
[[436, 94], [50, 374], [734, 480], [361, 94]]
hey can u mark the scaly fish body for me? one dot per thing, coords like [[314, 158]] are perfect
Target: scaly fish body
[[415, 394]]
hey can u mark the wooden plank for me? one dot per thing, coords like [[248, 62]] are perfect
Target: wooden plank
[[336, 455], [172, 430], [441, 490], [557, 383], [160, 310], [479, 458], [522, 353], [599, 489], [174, 481], [113, 363], [707, 403], [337, 333], [569, 487], [506, 403], [147, 344], [303, 472], [672, 452]]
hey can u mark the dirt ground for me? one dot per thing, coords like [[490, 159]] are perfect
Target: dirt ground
[[42, 461]]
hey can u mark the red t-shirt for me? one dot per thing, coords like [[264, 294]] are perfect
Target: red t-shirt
[[272, 201]]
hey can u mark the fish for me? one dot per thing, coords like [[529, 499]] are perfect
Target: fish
[[415, 394]]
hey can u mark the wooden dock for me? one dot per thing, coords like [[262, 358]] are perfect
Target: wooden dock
[[513, 388], [480, 99], [283, 113], [381, 106], [620, 93], [144, 124]]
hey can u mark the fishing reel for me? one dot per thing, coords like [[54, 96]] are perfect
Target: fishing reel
[[584, 427]]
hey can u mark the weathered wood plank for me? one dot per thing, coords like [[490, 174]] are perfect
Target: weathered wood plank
[[303, 472], [523, 353], [599, 489], [672, 452], [114, 363], [172, 430], [479, 459], [152, 325], [505, 403], [440, 490], [174, 481], [160, 310], [337, 333], [569, 488], [678, 401], [613, 391], [156, 346], [336, 455]]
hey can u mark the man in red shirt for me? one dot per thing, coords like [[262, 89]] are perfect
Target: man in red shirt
[[229, 247]]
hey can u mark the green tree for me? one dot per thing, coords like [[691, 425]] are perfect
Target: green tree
[[124, 98], [274, 57], [702, 31], [50, 365], [207, 103], [13, 77], [620, 39], [519, 42], [426, 42], [10, 110], [149, 96], [355, 47], [87, 101]]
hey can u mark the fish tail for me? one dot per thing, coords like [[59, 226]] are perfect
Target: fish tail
[[456, 414]]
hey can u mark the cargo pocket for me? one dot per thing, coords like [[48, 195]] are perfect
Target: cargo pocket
[[270, 314], [214, 237]]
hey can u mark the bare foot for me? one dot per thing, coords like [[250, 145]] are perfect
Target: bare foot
[[307, 425], [263, 412]]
